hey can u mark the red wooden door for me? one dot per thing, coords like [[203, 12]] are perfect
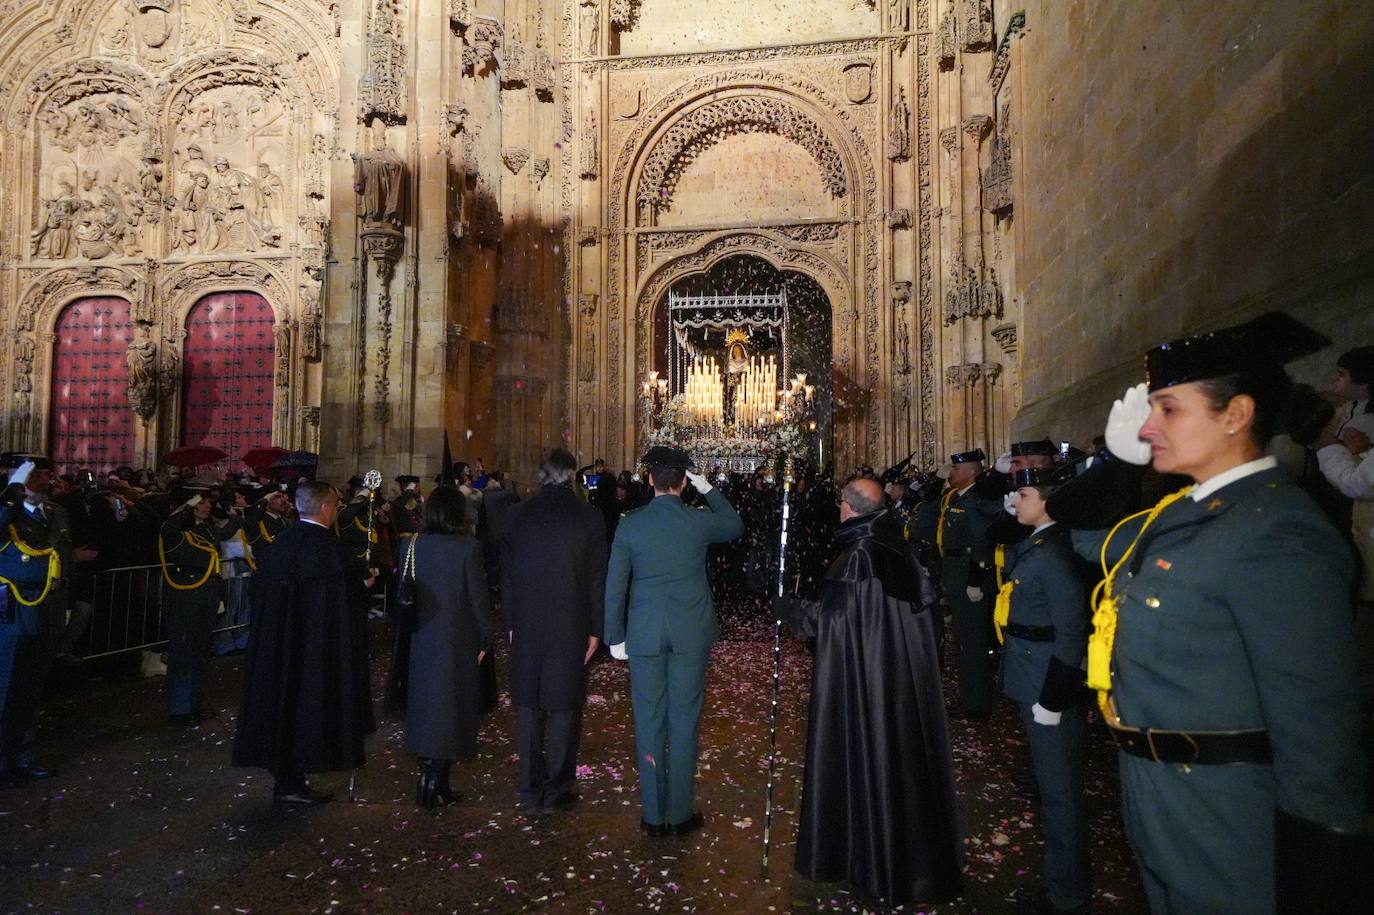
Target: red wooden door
[[227, 373], [91, 421]]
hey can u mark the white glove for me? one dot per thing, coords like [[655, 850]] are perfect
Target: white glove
[[1003, 464], [699, 482], [619, 653], [974, 593], [944, 471], [1009, 501], [1123, 426], [21, 473], [193, 501], [1044, 716]]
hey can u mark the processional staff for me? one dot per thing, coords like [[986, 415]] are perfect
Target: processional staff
[[372, 480], [777, 659]]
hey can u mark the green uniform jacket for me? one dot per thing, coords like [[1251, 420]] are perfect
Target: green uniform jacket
[[261, 527], [1048, 592], [190, 550], [967, 549], [1234, 613], [665, 605]]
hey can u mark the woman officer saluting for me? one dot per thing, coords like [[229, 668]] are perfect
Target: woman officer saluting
[[1223, 648]]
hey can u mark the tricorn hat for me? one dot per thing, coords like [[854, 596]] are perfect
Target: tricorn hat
[[966, 457], [1042, 446], [1272, 339], [1039, 476], [666, 456]]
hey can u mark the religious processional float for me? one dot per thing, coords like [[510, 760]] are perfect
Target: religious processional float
[[721, 400]]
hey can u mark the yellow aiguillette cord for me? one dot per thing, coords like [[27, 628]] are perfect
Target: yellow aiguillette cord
[[1105, 604], [199, 543], [54, 568], [940, 531]]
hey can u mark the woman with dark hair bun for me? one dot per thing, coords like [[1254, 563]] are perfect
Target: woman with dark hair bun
[[452, 635], [1223, 650]]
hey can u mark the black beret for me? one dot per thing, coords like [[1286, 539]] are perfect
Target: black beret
[[966, 457], [665, 456]]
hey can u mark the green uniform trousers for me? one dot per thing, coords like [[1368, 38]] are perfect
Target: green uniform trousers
[[667, 691]]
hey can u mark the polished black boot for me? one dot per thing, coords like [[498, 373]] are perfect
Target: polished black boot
[[444, 794]]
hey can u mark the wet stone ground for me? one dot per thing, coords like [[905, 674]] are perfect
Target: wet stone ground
[[148, 818]]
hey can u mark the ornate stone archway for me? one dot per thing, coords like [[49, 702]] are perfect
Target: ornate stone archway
[[841, 253]]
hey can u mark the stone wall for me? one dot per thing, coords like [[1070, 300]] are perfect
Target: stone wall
[[1183, 170]]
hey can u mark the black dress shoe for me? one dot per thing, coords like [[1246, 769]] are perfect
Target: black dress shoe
[[653, 829], [560, 803], [303, 797], [188, 720], [1037, 902], [688, 826]]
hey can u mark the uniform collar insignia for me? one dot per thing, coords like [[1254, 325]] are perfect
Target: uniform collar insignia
[[1215, 504], [1164, 564]]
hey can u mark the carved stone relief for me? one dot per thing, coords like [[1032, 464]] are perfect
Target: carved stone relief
[[975, 24], [483, 44], [1005, 335], [707, 125], [858, 81], [899, 128], [591, 141], [997, 178], [948, 40], [143, 386], [381, 92], [586, 359]]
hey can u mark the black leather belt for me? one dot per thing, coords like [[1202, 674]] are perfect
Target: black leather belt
[[1029, 633], [1196, 748]]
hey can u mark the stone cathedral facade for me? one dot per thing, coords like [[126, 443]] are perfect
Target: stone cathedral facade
[[349, 226]]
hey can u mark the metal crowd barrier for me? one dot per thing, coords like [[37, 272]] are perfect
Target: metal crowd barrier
[[126, 609]]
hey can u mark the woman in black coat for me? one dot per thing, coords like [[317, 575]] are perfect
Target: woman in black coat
[[452, 635]]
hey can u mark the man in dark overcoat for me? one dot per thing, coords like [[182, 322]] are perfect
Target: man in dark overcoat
[[878, 807], [306, 705], [553, 564]]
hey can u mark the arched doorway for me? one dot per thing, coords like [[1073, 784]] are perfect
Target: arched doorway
[[227, 383], [91, 422], [808, 331]]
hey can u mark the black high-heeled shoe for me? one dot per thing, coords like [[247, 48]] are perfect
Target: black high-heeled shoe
[[426, 784], [445, 795]]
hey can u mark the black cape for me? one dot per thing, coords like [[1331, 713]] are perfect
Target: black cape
[[306, 705], [878, 805]]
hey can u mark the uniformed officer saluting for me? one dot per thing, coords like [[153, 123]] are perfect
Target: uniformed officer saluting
[[35, 554], [1042, 615], [966, 576], [1226, 620], [660, 616], [188, 548]]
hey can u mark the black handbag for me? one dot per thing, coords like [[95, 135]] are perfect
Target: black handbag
[[407, 597]]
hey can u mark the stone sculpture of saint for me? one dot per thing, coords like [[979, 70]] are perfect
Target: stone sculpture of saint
[[380, 179], [141, 359]]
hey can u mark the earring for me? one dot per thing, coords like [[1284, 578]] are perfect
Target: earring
[[1230, 431]]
